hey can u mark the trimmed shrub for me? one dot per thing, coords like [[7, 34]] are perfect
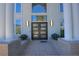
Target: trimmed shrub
[[55, 36], [23, 37]]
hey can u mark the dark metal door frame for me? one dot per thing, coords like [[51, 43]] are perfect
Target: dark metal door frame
[[39, 38]]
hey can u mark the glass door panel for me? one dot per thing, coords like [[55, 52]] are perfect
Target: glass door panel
[[39, 32]]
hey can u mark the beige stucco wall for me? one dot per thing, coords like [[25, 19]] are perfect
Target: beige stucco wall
[[26, 13], [53, 14]]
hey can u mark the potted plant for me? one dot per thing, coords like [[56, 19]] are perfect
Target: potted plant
[[23, 38], [23, 41], [55, 36]]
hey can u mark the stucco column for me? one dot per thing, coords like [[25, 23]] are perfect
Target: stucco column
[[68, 21], [2, 21], [75, 8], [9, 21]]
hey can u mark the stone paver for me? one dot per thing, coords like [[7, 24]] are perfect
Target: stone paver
[[37, 48]]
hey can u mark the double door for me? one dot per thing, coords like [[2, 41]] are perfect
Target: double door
[[39, 31]]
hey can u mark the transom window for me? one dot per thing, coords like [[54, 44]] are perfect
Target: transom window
[[39, 7], [39, 18]]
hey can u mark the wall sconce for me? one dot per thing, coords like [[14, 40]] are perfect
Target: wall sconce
[[27, 23], [51, 23]]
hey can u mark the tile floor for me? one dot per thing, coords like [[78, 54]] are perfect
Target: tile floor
[[38, 48]]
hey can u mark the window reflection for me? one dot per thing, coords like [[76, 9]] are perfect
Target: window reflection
[[18, 7], [18, 26], [61, 7]]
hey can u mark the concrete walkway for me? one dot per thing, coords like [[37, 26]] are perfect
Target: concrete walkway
[[38, 48]]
